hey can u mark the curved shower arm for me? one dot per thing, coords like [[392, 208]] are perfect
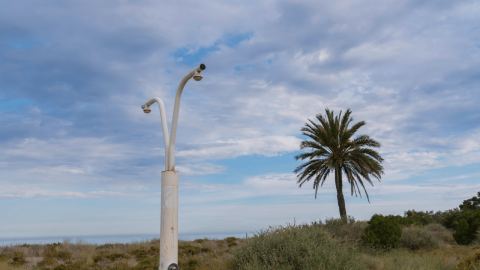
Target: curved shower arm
[[163, 117], [173, 131]]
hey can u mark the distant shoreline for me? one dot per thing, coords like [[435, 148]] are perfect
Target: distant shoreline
[[104, 239]]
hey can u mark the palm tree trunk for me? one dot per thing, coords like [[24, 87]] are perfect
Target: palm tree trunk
[[340, 199]]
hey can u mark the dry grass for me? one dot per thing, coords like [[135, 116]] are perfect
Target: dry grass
[[203, 254], [198, 254]]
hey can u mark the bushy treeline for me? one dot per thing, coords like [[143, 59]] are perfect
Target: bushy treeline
[[465, 219]]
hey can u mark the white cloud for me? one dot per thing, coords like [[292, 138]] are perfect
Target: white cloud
[[231, 148], [201, 169]]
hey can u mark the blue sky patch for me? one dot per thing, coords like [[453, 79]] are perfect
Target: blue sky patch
[[192, 56]]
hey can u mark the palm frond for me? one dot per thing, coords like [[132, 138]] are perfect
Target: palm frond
[[330, 147]]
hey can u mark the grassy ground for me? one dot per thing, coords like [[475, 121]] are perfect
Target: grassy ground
[[334, 244]]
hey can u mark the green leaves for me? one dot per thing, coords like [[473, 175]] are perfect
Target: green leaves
[[383, 232], [330, 148]]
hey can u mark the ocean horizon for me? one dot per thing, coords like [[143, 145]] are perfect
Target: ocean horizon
[[105, 239]]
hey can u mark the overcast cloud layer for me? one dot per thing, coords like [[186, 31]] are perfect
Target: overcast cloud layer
[[79, 156]]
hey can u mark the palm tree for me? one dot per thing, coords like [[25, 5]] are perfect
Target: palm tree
[[332, 149]]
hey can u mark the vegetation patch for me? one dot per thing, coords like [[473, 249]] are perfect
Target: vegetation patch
[[4, 257], [417, 238], [383, 232], [294, 247], [199, 240], [470, 262], [18, 259]]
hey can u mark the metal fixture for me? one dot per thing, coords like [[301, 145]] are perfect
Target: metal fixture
[[169, 197]]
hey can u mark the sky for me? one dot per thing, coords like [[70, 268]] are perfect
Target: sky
[[79, 156]]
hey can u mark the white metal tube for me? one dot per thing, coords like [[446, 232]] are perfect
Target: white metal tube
[[169, 220], [163, 118], [176, 109]]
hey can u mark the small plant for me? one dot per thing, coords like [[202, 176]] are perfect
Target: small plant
[[440, 233], [47, 261], [199, 240], [417, 238], [191, 264], [105, 246], [112, 257], [206, 249], [140, 253], [293, 247], [346, 230], [471, 262], [18, 259], [69, 265], [4, 257], [230, 239], [383, 232]]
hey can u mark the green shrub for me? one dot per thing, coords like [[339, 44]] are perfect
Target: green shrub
[[150, 263], [440, 233], [418, 217], [467, 227], [199, 240], [192, 250], [63, 255], [347, 231], [140, 253], [18, 259], [4, 257], [470, 262], [471, 204], [417, 238], [116, 256], [383, 232], [451, 218], [206, 249], [53, 252], [78, 265], [154, 251], [105, 246], [47, 261], [191, 264], [188, 250], [294, 247], [230, 239]]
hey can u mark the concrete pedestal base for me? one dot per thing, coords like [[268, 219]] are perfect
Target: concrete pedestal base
[[169, 221]]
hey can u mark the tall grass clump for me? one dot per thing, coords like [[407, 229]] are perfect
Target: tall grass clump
[[417, 238], [470, 262], [295, 247], [347, 231], [441, 234]]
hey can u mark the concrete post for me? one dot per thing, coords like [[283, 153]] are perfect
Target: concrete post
[[169, 222]]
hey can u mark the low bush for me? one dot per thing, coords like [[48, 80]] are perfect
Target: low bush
[[440, 233], [467, 227], [105, 246], [383, 232], [18, 259], [418, 217], [347, 231], [144, 253], [417, 238], [190, 264], [294, 247], [78, 265], [4, 257], [112, 257], [47, 261], [470, 262]]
